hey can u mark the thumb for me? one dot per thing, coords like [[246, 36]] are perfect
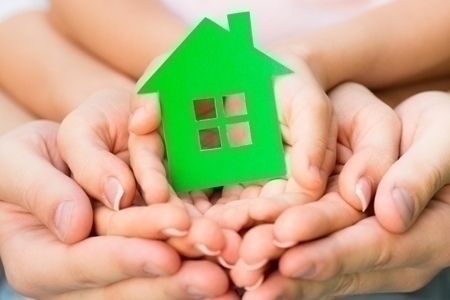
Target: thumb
[[93, 140], [36, 182], [369, 137], [145, 109], [424, 166]]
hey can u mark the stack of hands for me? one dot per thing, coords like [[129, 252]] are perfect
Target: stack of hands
[[88, 211]]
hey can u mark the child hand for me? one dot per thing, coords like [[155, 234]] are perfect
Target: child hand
[[303, 105], [202, 238], [367, 129], [422, 116], [368, 141]]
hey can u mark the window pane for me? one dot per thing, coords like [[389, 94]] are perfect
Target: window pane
[[234, 105], [239, 134], [205, 109], [209, 139]]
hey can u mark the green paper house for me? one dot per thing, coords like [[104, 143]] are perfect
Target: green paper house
[[218, 108]]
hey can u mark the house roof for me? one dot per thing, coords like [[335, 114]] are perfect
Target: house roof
[[212, 48]]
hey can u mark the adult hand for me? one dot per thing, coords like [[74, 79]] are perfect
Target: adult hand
[[367, 257], [368, 139], [96, 266], [38, 265], [34, 177]]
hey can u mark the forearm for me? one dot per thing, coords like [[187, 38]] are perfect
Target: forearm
[[45, 72], [403, 42], [11, 115], [126, 34]]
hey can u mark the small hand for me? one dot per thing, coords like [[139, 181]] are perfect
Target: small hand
[[368, 129], [366, 257]]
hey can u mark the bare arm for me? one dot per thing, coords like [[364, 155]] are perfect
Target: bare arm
[[403, 42], [11, 114], [45, 72], [126, 34]]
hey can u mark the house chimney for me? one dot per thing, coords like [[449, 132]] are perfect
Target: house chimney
[[240, 27]]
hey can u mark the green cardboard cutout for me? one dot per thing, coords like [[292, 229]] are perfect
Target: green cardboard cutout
[[218, 108]]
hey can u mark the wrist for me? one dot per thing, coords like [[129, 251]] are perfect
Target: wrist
[[314, 57]]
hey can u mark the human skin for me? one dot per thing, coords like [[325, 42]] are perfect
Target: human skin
[[368, 141], [18, 115], [365, 50], [72, 259], [365, 257], [58, 74]]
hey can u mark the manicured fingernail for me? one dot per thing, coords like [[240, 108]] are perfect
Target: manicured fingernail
[[284, 245], [173, 232], [224, 263], [206, 251], [306, 273], [154, 271], [255, 266], [113, 191], [404, 204], [364, 192], [63, 218], [197, 293], [256, 285]]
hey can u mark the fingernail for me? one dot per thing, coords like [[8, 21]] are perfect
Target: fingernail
[[284, 245], [197, 293], [137, 117], [63, 218], [256, 285], [206, 251], [224, 263], [364, 192], [315, 173], [173, 232], [404, 204], [113, 192], [306, 273], [154, 271], [256, 266]]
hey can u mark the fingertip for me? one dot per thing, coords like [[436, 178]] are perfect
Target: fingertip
[[145, 114], [118, 188], [308, 176], [73, 217], [156, 190], [357, 192], [395, 210]]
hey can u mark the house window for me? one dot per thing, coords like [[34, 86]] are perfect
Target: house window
[[209, 138], [239, 134], [205, 109], [222, 122], [234, 105]]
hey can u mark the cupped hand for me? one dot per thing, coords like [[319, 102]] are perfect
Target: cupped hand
[[93, 135], [305, 114], [40, 266], [371, 256], [365, 258], [35, 177], [368, 140], [424, 165]]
